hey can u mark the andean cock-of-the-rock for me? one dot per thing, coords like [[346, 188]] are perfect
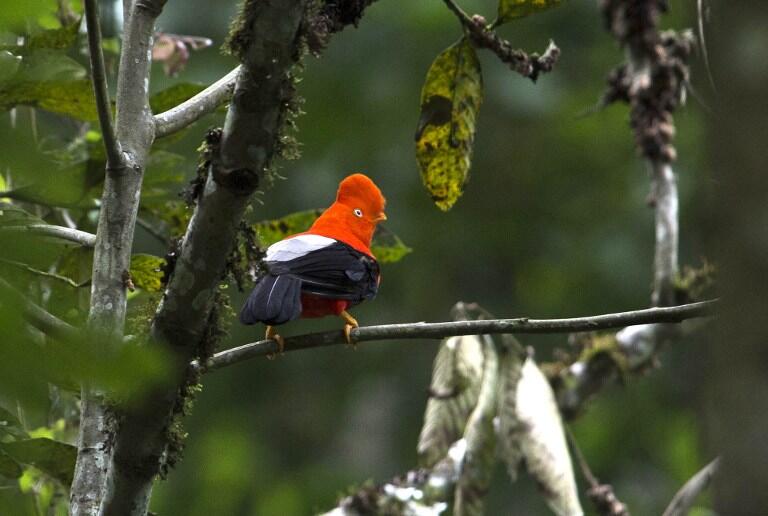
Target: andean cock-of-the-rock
[[325, 270]]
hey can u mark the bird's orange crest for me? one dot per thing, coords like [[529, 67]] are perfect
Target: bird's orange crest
[[353, 217]]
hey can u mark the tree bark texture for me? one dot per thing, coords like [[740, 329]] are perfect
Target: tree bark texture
[[269, 47]]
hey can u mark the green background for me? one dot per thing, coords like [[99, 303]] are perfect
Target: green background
[[553, 223]]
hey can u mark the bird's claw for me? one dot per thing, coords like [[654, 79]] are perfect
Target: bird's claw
[[348, 336], [273, 335], [351, 322]]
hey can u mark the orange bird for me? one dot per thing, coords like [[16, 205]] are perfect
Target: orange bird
[[325, 270]]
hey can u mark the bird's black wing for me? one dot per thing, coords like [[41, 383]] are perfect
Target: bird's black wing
[[337, 271]]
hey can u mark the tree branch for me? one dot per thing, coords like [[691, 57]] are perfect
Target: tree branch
[[191, 110], [112, 253], [652, 81], [40, 318], [483, 36], [99, 78], [446, 329], [72, 235], [268, 44]]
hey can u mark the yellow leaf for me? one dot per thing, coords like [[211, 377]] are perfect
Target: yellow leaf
[[511, 9], [450, 101], [147, 272]]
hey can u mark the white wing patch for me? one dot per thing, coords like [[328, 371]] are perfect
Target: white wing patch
[[290, 248]]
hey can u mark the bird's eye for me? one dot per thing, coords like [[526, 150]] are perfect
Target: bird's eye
[[358, 212]]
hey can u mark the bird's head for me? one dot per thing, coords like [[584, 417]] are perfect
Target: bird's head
[[358, 208]]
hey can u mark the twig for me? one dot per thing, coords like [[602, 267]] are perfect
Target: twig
[[483, 36], [447, 329], [684, 498], [99, 77], [193, 109], [601, 495], [147, 226], [73, 235], [45, 274], [40, 318]]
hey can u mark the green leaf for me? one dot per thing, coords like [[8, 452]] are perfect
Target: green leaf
[[55, 458], [11, 215], [386, 246], [10, 424], [69, 98], [66, 187], [20, 12], [165, 172], [450, 101], [511, 9], [173, 96], [50, 80], [9, 468], [147, 272], [56, 39], [271, 231], [9, 65]]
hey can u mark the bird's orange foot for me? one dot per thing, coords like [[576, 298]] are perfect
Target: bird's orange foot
[[351, 322], [273, 335]]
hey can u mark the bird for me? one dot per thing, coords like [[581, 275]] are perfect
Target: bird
[[325, 270]]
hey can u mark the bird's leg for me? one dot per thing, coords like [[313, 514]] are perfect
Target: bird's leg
[[351, 322], [273, 335]]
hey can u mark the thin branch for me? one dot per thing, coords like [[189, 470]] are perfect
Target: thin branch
[[72, 235], [191, 110], [482, 35], [447, 329], [40, 318], [99, 77], [684, 498], [149, 228], [50, 275], [601, 495]]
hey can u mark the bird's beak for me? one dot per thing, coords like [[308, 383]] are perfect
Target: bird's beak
[[382, 216]]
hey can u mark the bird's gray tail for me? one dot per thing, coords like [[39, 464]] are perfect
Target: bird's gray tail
[[274, 300]]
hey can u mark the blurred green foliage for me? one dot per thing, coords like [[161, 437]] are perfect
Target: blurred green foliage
[[552, 223]]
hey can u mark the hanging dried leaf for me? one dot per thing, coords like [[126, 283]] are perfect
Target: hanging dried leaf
[[456, 378], [450, 100], [511, 9], [481, 439], [509, 428], [542, 442]]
